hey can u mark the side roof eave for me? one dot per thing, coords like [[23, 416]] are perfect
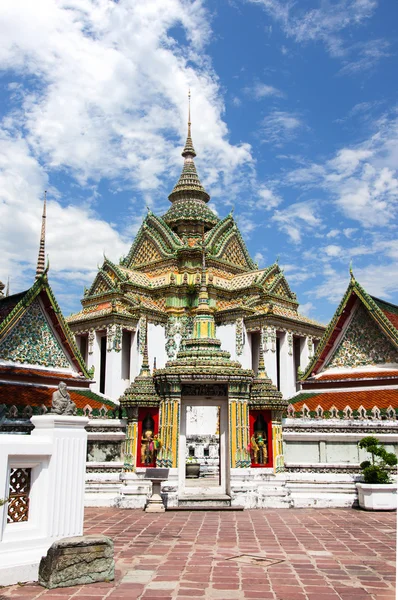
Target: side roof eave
[[354, 288], [40, 286]]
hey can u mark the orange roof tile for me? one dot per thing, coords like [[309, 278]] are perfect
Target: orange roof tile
[[367, 398], [29, 395]]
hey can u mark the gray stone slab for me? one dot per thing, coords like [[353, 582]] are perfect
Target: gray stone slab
[[77, 561], [138, 576]]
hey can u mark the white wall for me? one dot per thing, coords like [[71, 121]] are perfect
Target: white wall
[[56, 454]]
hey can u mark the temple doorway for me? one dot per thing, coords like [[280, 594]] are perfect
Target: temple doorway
[[203, 448]]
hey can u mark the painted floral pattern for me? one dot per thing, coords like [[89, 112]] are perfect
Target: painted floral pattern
[[32, 341], [363, 344]]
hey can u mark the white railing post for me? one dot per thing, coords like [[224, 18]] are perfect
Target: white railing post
[[66, 472]]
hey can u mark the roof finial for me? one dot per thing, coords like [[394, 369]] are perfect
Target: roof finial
[[41, 259], [8, 286], [351, 272]]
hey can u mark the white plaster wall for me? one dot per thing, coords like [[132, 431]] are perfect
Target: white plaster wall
[[156, 345], [226, 335], [202, 420], [287, 374], [93, 360], [135, 357]]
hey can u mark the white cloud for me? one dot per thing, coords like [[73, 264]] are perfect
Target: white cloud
[[333, 250], [267, 199], [324, 24], [259, 90], [378, 280], [280, 126], [76, 237], [112, 86], [369, 54], [259, 258], [297, 218], [362, 179], [306, 309], [246, 224]]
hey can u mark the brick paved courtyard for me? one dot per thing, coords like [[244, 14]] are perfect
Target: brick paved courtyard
[[266, 554]]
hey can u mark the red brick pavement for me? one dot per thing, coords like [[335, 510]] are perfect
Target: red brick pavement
[[334, 554]]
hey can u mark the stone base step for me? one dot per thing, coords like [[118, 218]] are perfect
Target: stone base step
[[204, 501], [201, 507]]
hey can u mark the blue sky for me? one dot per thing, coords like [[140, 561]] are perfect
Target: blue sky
[[295, 123]]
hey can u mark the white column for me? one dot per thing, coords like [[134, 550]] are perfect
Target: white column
[[305, 352], [156, 345], [134, 356], [66, 472], [114, 385], [269, 347], [286, 361], [94, 357]]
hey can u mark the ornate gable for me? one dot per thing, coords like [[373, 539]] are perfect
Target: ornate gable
[[32, 340], [155, 241], [276, 284], [228, 245], [363, 344], [102, 284], [146, 252], [369, 317]]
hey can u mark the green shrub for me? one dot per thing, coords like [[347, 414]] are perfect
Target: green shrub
[[382, 462]]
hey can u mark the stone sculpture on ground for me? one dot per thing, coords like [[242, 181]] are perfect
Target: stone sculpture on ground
[[77, 561]]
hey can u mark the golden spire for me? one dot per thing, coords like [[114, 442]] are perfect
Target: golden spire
[[41, 259], [189, 150], [145, 370]]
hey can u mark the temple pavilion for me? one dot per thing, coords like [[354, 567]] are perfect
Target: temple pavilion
[[189, 300]]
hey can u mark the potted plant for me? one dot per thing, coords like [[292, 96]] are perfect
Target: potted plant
[[192, 468], [377, 491]]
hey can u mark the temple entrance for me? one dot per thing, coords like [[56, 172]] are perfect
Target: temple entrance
[[203, 452]]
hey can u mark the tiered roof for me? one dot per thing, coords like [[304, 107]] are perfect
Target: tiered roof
[[161, 274]]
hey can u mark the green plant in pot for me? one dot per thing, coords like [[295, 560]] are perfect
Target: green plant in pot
[[378, 491]]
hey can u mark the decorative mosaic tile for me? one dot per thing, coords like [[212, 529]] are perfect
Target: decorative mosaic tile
[[363, 344], [32, 341]]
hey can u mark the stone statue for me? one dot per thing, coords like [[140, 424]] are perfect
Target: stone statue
[[150, 443], [61, 402], [258, 442]]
